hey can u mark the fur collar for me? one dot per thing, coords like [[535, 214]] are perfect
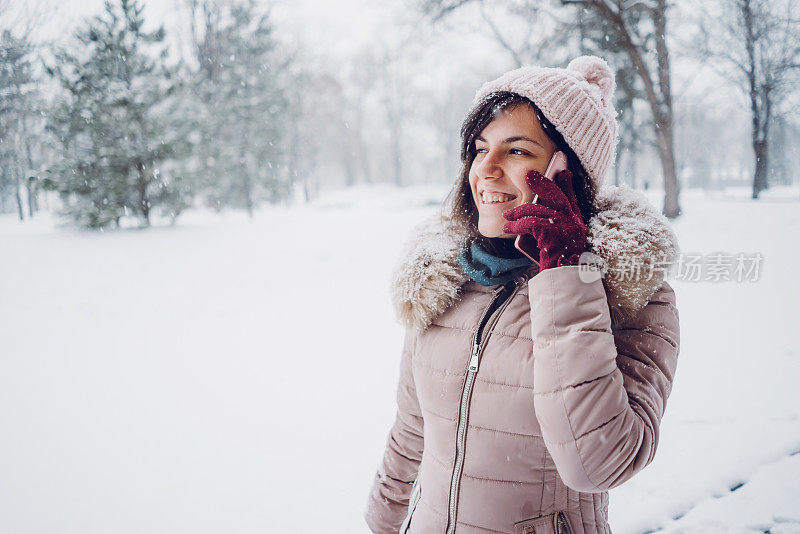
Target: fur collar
[[428, 279]]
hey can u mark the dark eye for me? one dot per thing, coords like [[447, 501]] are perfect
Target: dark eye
[[519, 151]]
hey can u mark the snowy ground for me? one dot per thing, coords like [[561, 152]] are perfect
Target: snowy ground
[[228, 375]]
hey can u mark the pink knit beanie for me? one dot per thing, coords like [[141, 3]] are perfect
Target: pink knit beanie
[[578, 101]]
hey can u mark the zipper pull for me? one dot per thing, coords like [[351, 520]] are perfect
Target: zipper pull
[[522, 279], [473, 361]]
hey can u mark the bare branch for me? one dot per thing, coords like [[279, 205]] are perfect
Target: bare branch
[[499, 37], [439, 9]]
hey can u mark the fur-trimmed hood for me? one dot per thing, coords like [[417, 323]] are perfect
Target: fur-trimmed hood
[[627, 231]]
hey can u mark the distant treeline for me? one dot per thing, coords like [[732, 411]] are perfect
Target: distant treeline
[[117, 128]]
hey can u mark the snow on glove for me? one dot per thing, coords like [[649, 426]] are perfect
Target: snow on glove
[[554, 221]]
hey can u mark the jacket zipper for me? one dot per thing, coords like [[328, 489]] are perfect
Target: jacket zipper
[[562, 527], [463, 413]]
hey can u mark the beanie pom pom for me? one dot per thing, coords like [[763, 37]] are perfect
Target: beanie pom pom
[[597, 72]]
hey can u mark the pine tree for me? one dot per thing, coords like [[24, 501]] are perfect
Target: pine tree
[[112, 126], [241, 108]]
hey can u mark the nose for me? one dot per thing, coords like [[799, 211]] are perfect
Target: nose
[[489, 166]]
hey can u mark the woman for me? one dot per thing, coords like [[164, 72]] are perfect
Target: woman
[[528, 389]]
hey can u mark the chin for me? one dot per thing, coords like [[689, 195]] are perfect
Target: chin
[[493, 230]]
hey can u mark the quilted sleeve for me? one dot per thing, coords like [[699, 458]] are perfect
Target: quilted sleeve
[[387, 504], [599, 393]]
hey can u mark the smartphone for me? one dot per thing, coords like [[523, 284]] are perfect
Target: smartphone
[[557, 164], [526, 243]]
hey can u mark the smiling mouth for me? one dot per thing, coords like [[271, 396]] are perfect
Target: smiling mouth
[[496, 198]]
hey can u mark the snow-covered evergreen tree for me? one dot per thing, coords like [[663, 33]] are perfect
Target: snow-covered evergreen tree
[[112, 128]]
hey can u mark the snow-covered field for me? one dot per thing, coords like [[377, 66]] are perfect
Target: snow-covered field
[[228, 375]]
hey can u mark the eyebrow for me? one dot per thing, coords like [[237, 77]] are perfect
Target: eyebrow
[[508, 140]]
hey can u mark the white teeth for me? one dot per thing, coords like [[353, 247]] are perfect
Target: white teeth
[[490, 198]]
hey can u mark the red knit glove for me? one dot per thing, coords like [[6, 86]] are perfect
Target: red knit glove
[[554, 221]]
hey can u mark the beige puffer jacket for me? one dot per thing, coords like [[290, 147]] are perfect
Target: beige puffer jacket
[[519, 406]]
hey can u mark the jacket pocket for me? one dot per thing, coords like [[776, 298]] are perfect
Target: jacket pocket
[[416, 494], [555, 523]]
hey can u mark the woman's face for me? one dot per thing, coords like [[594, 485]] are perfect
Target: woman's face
[[506, 150]]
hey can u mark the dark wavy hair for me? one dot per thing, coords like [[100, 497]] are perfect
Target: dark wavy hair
[[460, 210]]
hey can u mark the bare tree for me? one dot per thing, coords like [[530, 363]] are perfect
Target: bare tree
[[596, 35], [757, 43], [396, 104], [523, 44], [639, 30], [385, 75]]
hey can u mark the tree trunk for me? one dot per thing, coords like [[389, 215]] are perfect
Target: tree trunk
[[292, 163], [397, 166], [760, 109], [395, 116], [630, 163], [31, 197], [248, 195], [349, 170], [30, 185], [760, 175], [247, 186], [664, 115], [18, 196], [360, 147], [396, 139], [17, 187], [666, 152], [144, 202]]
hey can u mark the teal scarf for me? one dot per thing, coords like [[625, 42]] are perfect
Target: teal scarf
[[490, 270]]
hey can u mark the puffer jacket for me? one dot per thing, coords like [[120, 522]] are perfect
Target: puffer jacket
[[520, 406]]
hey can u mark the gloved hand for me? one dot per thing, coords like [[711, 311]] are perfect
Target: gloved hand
[[554, 221]]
